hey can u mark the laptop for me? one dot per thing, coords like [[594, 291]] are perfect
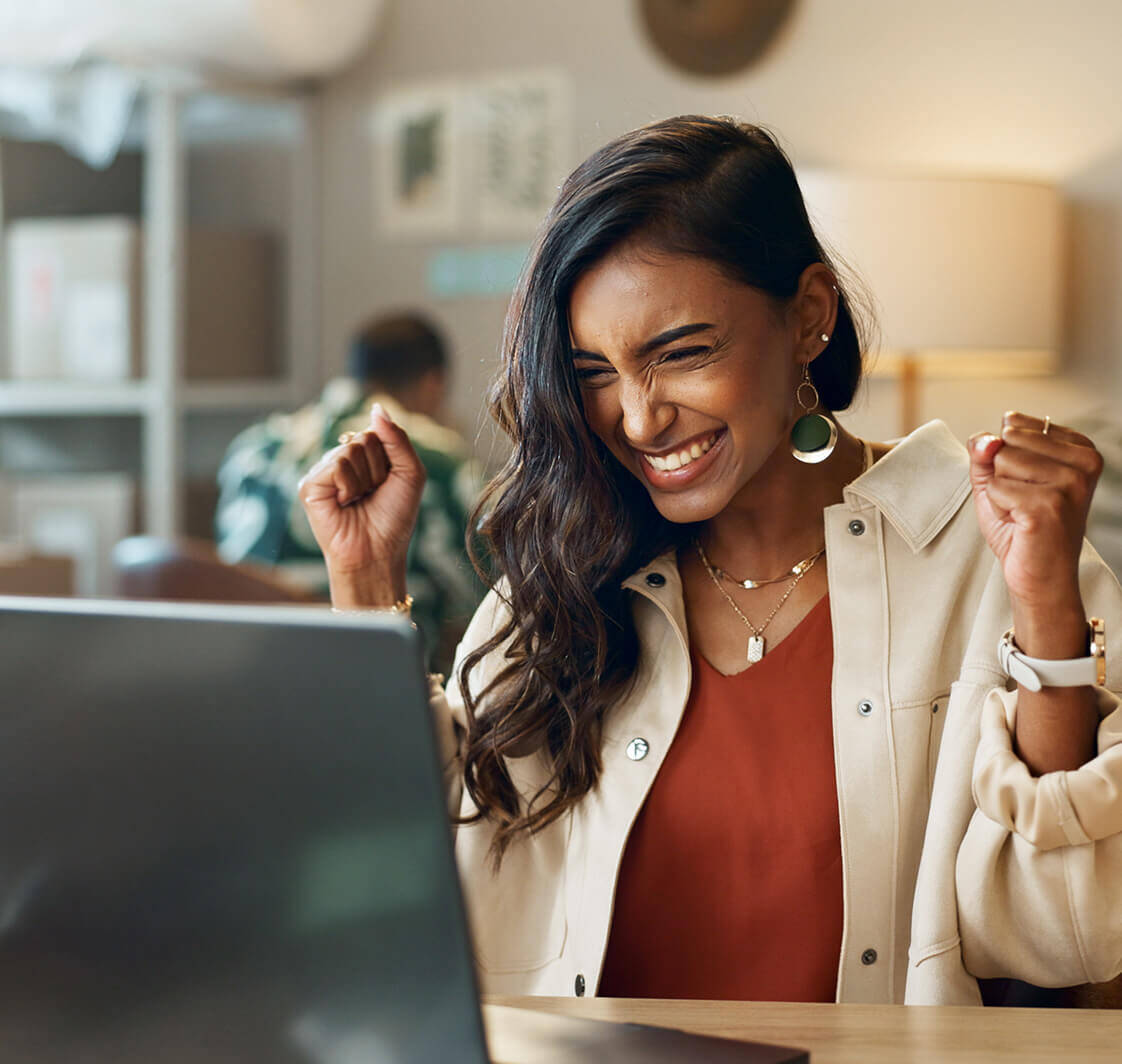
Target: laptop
[[223, 837]]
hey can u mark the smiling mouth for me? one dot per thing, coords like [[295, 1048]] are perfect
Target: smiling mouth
[[680, 459]]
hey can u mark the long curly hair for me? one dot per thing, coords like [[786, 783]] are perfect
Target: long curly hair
[[564, 523]]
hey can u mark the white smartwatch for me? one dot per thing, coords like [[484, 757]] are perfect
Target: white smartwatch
[[1035, 673]]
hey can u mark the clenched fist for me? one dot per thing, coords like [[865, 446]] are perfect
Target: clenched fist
[[1032, 491], [362, 499]]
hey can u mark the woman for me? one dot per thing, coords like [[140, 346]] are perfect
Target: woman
[[734, 722]]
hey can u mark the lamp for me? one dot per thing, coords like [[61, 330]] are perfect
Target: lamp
[[967, 273]]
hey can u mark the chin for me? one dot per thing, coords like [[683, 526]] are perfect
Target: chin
[[687, 508]]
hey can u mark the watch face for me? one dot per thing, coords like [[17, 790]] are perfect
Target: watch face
[[714, 37]]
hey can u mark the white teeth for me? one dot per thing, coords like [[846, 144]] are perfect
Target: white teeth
[[681, 458]]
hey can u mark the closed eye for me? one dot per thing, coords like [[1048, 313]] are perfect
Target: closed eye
[[681, 354], [596, 373], [600, 373]]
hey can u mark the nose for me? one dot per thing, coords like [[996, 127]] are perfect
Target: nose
[[645, 413]]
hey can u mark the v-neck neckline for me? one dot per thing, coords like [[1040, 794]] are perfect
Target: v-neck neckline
[[773, 653]]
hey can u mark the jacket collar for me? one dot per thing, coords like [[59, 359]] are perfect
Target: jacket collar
[[660, 581], [918, 486]]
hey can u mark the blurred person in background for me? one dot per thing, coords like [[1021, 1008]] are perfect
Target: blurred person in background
[[400, 361]]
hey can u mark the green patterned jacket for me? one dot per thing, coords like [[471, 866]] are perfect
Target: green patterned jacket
[[260, 519]]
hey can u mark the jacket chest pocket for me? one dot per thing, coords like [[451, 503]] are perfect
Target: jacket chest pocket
[[917, 729], [935, 735]]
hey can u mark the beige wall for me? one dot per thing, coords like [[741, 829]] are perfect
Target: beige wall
[[1019, 90]]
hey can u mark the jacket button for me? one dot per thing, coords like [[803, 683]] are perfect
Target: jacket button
[[578, 985], [864, 707], [856, 527], [637, 749], [869, 957], [656, 580]]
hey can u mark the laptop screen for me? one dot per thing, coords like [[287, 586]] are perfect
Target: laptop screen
[[222, 835]]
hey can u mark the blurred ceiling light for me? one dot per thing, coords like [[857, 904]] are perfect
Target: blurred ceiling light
[[966, 274], [262, 40]]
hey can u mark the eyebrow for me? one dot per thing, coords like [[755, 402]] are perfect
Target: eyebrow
[[653, 344]]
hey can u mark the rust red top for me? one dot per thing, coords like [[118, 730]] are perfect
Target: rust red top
[[731, 881]]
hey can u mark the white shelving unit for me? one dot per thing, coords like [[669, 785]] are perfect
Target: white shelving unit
[[163, 398], [63, 399]]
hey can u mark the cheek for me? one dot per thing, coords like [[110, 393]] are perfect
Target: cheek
[[601, 412], [756, 388]]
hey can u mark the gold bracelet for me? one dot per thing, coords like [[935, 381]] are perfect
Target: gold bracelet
[[404, 606]]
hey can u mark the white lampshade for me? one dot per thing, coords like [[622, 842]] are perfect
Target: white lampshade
[[966, 274]]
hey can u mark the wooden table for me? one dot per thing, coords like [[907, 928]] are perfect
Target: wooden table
[[874, 1034]]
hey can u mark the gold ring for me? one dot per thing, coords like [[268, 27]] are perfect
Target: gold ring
[[346, 437], [1047, 425]]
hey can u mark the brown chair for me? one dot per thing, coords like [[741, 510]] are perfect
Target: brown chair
[[189, 570]]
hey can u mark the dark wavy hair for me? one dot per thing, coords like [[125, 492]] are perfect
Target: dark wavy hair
[[564, 523]]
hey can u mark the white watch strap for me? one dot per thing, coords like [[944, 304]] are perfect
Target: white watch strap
[[1035, 673]]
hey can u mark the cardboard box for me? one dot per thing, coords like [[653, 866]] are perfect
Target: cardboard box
[[77, 516], [232, 306], [24, 573], [75, 298]]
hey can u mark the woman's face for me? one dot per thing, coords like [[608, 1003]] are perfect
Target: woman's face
[[687, 377]]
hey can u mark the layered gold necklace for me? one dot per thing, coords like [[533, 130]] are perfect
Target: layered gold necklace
[[748, 583], [756, 643]]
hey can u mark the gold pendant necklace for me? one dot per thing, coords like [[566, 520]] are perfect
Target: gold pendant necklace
[[756, 643], [749, 584]]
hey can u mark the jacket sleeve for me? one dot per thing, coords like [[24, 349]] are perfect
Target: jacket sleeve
[[447, 702], [449, 736], [1039, 872]]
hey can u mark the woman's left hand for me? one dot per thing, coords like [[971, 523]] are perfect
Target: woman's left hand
[[1032, 491]]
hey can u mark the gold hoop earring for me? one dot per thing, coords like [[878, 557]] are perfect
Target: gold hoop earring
[[813, 436]]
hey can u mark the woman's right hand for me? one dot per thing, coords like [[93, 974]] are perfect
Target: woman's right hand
[[362, 499]]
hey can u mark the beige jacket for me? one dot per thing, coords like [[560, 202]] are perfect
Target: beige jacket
[[957, 863]]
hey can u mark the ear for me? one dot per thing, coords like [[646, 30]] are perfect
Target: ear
[[814, 311]]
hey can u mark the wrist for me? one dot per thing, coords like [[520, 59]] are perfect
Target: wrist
[[1035, 672], [373, 587], [1059, 632]]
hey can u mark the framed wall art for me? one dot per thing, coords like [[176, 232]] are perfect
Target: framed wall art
[[417, 163]]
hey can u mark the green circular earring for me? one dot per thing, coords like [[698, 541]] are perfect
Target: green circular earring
[[813, 436]]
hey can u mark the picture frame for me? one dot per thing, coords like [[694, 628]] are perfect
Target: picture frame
[[520, 136], [417, 162], [479, 158]]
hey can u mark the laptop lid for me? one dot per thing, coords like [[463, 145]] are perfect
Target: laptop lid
[[222, 837]]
